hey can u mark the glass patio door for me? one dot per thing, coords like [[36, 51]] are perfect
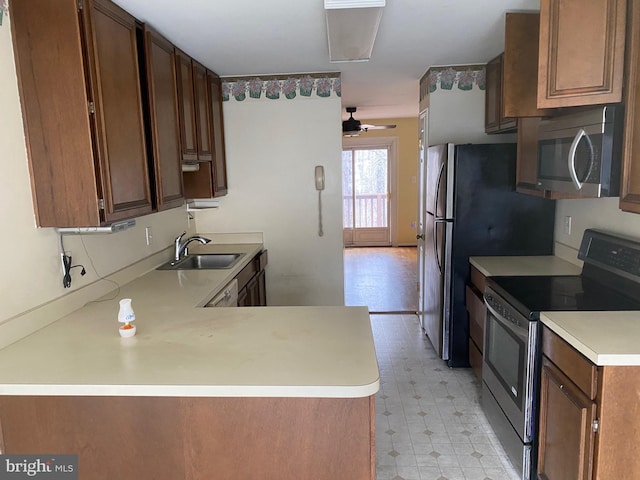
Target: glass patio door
[[365, 196]]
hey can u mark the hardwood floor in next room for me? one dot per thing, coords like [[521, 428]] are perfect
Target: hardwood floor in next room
[[383, 278], [429, 423]]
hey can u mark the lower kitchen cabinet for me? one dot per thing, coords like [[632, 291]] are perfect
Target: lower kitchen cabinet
[[252, 286], [589, 425], [477, 315], [197, 438]]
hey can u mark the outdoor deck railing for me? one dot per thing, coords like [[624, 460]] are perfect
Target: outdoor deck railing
[[371, 210]]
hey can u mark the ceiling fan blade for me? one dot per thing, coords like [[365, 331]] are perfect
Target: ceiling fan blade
[[376, 127]]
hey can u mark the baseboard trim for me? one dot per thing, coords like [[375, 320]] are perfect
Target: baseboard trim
[[395, 312]]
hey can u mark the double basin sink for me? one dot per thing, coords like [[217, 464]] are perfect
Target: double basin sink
[[205, 261]]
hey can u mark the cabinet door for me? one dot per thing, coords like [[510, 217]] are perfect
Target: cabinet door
[[630, 184], [56, 123], [520, 66], [493, 94], [527, 157], [581, 52], [203, 117], [495, 121], [186, 107], [566, 438], [262, 289], [118, 119], [220, 186], [164, 126]]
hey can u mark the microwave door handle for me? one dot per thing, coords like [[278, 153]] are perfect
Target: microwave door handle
[[571, 158]]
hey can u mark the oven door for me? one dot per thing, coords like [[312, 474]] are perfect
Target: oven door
[[509, 363]]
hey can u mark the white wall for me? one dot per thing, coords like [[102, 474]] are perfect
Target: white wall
[[272, 149], [457, 116], [30, 260], [600, 213]]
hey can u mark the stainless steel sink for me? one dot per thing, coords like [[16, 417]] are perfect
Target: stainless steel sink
[[207, 261]]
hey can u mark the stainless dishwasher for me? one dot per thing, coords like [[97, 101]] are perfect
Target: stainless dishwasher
[[228, 296]]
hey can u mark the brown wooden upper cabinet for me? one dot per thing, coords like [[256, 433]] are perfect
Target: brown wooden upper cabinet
[[210, 180], [494, 120], [527, 157], [581, 52], [163, 119], [202, 128], [220, 185], [203, 114], [186, 107], [630, 182], [511, 76], [81, 97]]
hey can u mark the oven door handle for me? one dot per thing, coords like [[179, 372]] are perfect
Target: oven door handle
[[521, 333]]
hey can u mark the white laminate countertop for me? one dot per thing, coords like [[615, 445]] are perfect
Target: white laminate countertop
[[182, 350], [605, 338], [524, 265]]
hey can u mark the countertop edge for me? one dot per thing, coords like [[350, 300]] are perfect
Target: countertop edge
[[255, 391], [599, 359]]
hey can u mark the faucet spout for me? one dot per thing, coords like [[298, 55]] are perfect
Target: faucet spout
[[180, 247]]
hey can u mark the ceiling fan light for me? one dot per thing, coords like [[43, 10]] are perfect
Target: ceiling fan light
[[352, 26]]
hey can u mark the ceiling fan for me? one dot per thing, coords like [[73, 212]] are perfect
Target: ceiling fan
[[352, 127]]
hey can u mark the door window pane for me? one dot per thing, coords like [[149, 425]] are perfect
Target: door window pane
[[347, 188], [370, 188]]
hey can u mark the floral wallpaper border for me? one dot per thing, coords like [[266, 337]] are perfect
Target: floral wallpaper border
[[305, 85], [4, 9], [464, 77]]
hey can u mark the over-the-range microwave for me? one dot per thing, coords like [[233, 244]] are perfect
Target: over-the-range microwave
[[581, 152]]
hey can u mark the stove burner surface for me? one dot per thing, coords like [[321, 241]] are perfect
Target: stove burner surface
[[557, 293]]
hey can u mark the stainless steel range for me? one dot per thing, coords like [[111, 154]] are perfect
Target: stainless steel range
[[610, 280]]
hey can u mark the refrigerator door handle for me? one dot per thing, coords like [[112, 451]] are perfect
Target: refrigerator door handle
[[437, 196], [435, 241]]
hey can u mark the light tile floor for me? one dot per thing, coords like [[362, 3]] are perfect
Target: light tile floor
[[429, 423]]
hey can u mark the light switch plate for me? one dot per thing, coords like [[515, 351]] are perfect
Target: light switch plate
[[148, 235], [566, 224]]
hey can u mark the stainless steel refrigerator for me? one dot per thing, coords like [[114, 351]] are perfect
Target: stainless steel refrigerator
[[471, 208]]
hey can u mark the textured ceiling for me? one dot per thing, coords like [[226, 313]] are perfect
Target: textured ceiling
[[257, 37]]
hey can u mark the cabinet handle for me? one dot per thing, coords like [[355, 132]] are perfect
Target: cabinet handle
[[595, 426], [561, 386]]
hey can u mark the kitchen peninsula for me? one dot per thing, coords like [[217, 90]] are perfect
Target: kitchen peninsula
[[197, 393]]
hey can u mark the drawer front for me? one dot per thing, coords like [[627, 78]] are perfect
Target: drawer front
[[572, 363], [477, 279], [263, 259], [247, 273], [475, 359], [477, 315]]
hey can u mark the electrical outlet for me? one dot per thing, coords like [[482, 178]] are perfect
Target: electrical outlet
[[566, 224], [148, 235]]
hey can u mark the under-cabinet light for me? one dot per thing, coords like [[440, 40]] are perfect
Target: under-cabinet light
[[113, 228]]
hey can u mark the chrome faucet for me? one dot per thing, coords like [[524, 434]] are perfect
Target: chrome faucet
[[180, 250]]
